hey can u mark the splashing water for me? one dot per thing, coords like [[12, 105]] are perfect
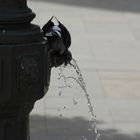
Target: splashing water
[[80, 81]]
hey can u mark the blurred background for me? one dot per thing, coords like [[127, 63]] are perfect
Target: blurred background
[[106, 45]]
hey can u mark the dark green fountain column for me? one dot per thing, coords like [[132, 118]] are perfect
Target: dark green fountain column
[[22, 64], [15, 11]]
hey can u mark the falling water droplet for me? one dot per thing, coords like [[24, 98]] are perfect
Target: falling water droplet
[[74, 102], [60, 93], [89, 129], [60, 115], [84, 138], [96, 131], [64, 107]]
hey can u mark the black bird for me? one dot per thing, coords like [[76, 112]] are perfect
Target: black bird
[[59, 40]]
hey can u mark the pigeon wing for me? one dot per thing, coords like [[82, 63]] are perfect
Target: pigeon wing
[[65, 35]]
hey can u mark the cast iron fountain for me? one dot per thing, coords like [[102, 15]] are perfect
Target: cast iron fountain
[[26, 59]]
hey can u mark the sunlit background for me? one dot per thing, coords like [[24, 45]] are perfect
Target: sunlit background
[[105, 43]]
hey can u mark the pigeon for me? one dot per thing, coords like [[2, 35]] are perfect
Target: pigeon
[[58, 39]]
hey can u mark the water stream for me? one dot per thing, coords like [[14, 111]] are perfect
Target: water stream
[[80, 81]]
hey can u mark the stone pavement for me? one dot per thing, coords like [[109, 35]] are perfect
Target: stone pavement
[[105, 43]]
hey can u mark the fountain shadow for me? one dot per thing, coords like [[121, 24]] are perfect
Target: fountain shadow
[[118, 5], [56, 128]]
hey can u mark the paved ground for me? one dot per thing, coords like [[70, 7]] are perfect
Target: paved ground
[[106, 45]]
